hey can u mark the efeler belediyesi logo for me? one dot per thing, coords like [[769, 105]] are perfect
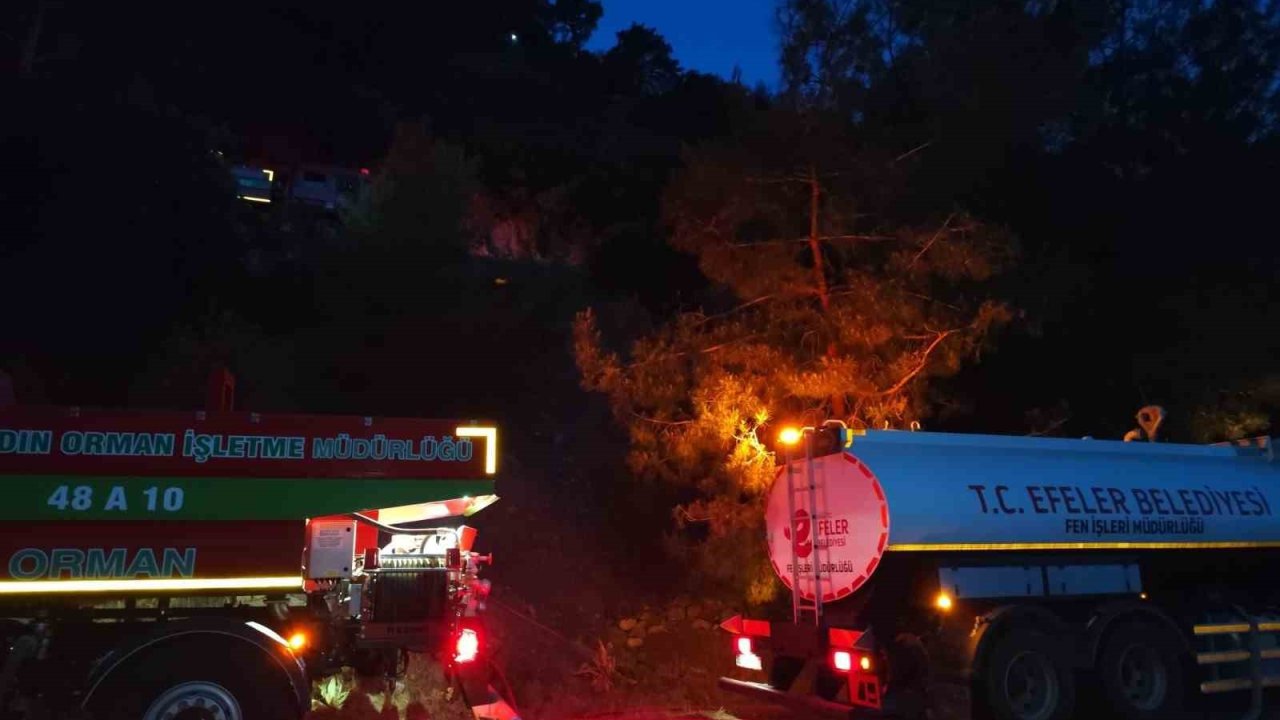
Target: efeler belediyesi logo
[[802, 542]]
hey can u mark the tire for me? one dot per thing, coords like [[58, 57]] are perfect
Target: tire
[[909, 676], [228, 680], [1141, 674], [1026, 678]]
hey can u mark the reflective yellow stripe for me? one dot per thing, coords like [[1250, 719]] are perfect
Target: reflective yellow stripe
[[1232, 628], [490, 435], [1217, 686], [953, 547], [43, 587], [1229, 656]]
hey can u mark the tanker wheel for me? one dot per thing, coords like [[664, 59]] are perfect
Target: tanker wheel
[[181, 682], [1026, 678], [1141, 673], [908, 675]]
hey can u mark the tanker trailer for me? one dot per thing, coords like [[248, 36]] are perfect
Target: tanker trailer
[[214, 564], [1035, 576]]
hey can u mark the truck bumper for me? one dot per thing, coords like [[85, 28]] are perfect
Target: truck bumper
[[813, 706]]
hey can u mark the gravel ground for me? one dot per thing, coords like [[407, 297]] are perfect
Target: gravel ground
[[949, 704]]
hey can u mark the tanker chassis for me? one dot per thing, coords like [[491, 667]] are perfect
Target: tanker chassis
[[1025, 578], [214, 564]]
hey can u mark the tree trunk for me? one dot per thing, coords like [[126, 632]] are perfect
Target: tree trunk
[[28, 61], [838, 408], [815, 245]]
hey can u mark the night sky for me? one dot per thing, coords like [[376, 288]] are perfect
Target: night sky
[[706, 35]]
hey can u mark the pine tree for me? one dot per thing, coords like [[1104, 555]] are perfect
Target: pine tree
[[834, 302]]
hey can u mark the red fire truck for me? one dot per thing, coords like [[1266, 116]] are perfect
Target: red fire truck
[[214, 564]]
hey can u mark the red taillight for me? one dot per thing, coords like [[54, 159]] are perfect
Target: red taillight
[[747, 658], [466, 538], [843, 661], [467, 646]]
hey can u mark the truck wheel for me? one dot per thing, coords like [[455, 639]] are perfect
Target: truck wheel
[[1027, 679], [183, 682], [1141, 673], [908, 676]]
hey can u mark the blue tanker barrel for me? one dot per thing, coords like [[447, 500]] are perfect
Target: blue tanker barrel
[[893, 491]]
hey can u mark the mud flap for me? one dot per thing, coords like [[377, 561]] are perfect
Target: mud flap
[[483, 699], [499, 710]]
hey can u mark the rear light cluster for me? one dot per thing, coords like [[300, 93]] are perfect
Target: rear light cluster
[[842, 660]]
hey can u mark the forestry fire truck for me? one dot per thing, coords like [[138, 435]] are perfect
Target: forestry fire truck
[[162, 565], [1036, 576]]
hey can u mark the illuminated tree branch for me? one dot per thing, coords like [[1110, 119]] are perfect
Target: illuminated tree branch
[[924, 362]]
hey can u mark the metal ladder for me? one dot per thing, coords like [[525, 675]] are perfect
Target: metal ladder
[[799, 606], [1253, 628]]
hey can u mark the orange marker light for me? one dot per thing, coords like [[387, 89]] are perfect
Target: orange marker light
[[864, 662], [789, 436], [298, 641], [943, 602]]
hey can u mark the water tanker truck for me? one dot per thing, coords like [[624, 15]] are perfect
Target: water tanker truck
[[1036, 576], [159, 565]]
